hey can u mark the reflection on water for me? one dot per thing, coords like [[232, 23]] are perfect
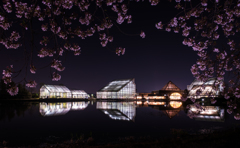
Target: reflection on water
[[11, 110], [79, 105], [115, 110], [118, 110], [170, 109], [156, 103], [175, 104], [53, 109], [149, 118], [209, 113]]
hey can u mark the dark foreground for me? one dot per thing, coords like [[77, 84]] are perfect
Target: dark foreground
[[179, 139]]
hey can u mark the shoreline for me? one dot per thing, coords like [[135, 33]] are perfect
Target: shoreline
[[91, 99]]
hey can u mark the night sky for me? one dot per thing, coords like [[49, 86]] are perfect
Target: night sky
[[152, 61]]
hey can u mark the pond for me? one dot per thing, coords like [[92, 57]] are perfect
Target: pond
[[41, 121]]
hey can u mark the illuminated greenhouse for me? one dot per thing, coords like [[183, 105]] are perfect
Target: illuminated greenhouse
[[205, 89], [79, 94], [118, 89], [54, 91]]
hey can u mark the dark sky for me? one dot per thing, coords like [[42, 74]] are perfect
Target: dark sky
[[152, 61]]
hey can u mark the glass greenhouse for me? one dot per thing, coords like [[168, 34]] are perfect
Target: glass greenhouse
[[205, 89], [79, 94], [118, 89], [54, 91], [59, 91]]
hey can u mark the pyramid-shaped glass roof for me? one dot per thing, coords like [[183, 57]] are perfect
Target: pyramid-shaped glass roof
[[170, 86]]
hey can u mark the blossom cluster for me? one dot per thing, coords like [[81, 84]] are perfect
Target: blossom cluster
[[120, 51], [56, 76], [7, 78], [31, 84], [56, 64], [46, 52], [7, 74]]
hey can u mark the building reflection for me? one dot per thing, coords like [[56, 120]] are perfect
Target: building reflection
[[79, 105], [170, 109], [209, 113], [118, 110], [175, 104], [175, 108], [53, 109]]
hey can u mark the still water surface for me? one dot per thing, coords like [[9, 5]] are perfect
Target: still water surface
[[25, 120]]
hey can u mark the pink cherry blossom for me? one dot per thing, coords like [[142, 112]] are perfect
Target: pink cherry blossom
[[159, 25], [142, 34], [33, 69], [13, 90], [56, 77], [120, 50], [31, 84], [229, 110], [237, 116], [56, 64], [213, 101]]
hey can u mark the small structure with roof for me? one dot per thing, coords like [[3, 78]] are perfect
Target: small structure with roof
[[118, 89], [170, 90], [54, 91], [211, 88]]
